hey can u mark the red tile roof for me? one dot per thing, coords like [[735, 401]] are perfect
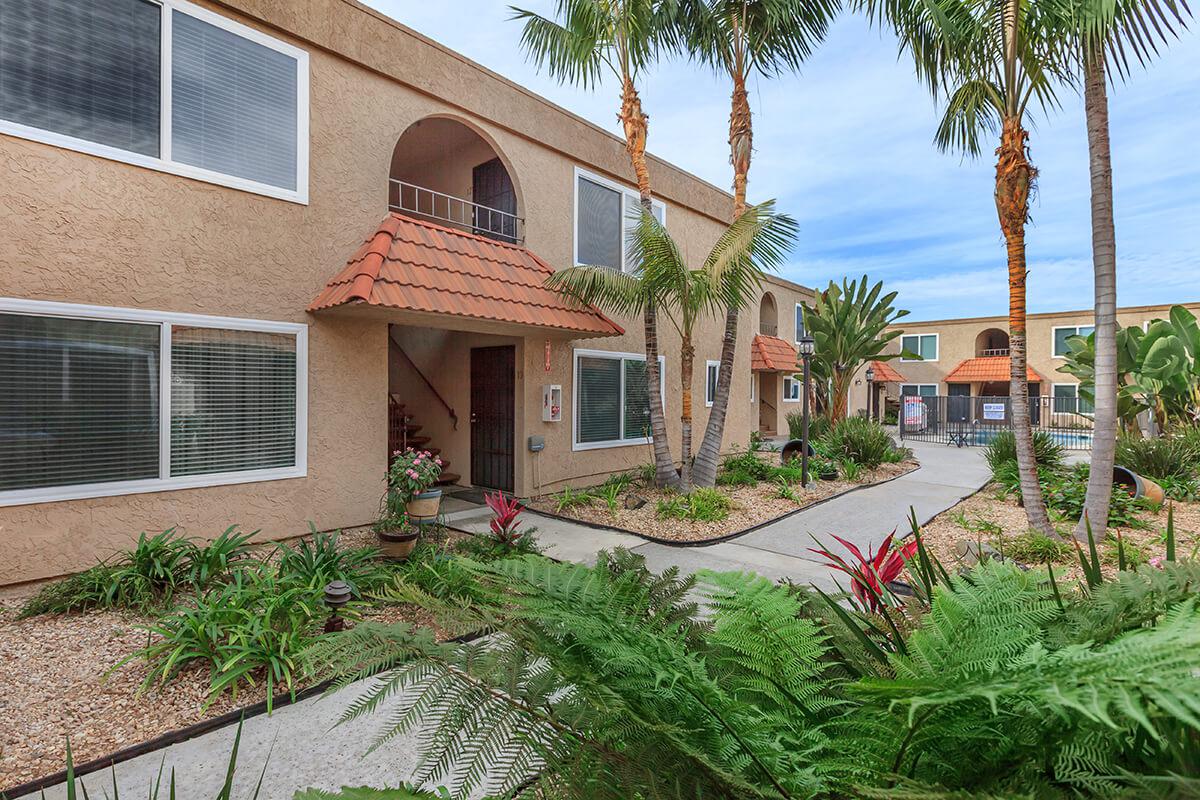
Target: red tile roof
[[987, 369], [770, 354], [415, 265], [885, 373]]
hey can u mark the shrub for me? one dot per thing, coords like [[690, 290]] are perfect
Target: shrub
[[859, 439], [749, 464], [1036, 547], [88, 589], [213, 560], [1164, 458], [1002, 449], [1065, 493], [572, 498], [850, 469], [818, 425], [318, 560], [736, 478], [248, 630], [1182, 490], [701, 505]]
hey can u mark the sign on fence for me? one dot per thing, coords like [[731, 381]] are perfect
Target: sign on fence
[[993, 411], [915, 413]]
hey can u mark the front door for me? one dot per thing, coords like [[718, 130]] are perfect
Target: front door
[[493, 384], [958, 402], [768, 392]]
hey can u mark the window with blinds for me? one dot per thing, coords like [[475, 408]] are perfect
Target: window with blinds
[[611, 404], [78, 401], [83, 401], [233, 104], [83, 69], [233, 400], [236, 99], [606, 215]]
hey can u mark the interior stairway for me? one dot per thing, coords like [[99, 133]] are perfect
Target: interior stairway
[[403, 432]]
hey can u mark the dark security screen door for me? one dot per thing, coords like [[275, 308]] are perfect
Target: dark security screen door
[[493, 376], [491, 187]]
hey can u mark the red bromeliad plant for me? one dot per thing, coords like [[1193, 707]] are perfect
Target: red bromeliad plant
[[870, 576], [507, 512]]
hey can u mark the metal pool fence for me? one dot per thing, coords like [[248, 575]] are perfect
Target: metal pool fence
[[975, 421]]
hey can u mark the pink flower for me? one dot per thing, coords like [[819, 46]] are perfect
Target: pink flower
[[1157, 562]]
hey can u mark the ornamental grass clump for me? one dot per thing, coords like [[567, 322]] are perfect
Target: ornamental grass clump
[[858, 439], [1002, 450]]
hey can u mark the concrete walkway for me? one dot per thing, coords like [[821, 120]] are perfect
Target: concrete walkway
[[781, 549], [306, 749]]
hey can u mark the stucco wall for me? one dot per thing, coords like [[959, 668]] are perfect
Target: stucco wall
[[82, 229], [957, 338]]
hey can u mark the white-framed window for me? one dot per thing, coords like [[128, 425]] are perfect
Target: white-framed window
[[923, 344], [1067, 399], [799, 321], [161, 84], [1061, 333], [712, 370], [791, 388], [104, 401], [611, 408], [606, 214], [918, 390]]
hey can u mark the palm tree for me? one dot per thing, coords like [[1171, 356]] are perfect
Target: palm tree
[[850, 325], [622, 37], [1101, 30], [741, 38], [990, 59], [759, 239]]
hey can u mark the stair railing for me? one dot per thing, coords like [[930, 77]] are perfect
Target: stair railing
[[442, 400]]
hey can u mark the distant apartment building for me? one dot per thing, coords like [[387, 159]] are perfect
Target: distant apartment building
[[969, 357], [251, 247]]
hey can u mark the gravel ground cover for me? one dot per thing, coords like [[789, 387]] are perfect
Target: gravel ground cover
[[55, 682], [751, 505], [1001, 522]]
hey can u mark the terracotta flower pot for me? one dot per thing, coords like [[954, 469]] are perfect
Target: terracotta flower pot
[[397, 545], [423, 508]]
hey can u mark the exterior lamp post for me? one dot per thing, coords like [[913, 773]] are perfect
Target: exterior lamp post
[[807, 346], [870, 392], [337, 594]]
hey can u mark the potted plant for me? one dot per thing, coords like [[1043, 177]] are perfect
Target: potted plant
[[396, 536], [412, 477]]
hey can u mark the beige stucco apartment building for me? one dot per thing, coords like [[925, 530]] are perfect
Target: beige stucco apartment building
[[248, 247], [969, 357]]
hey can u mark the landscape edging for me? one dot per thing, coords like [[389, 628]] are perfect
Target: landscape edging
[[184, 734], [725, 537]]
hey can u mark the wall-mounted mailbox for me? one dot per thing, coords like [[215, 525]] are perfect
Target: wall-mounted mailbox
[[551, 402], [537, 444]]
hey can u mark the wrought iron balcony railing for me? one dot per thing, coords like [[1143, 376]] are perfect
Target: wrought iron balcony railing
[[994, 351], [408, 198]]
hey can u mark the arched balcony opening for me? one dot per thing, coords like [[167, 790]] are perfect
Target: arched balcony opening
[[991, 342], [446, 171], [768, 315]]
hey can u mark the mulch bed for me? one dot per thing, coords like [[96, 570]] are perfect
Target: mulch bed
[[945, 531], [54, 684], [752, 505]]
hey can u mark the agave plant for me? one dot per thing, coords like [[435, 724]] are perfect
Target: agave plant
[[872, 573]]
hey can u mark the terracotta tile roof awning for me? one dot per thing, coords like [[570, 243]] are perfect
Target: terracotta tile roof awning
[[987, 369], [886, 373], [770, 354], [416, 266]]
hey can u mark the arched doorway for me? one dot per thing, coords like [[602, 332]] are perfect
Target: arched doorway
[[768, 315], [446, 171], [991, 342]]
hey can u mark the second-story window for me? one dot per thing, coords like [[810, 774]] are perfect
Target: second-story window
[[605, 215], [924, 345], [165, 85]]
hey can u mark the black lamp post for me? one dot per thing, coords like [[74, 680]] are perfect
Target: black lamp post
[[807, 346], [337, 594], [870, 392]]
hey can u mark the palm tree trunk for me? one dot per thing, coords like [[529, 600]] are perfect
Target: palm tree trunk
[[634, 123], [741, 141], [1014, 181], [687, 358], [1104, 268]]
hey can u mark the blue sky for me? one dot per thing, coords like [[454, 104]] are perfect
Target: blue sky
[[846, 148]]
